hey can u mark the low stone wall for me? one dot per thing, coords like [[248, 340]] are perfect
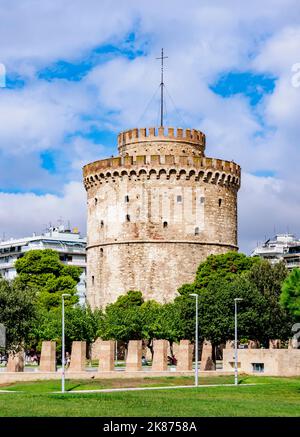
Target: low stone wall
[[12, 377], [270, 362]]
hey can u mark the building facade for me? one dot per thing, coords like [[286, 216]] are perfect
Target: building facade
[[282, 247], [155, 212], [69, 244]]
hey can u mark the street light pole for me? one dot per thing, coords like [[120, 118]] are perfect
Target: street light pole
[[63, 340], [196, 340], [235, 341]]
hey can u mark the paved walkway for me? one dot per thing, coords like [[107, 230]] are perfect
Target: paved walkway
[[111, 390], [7, 391]]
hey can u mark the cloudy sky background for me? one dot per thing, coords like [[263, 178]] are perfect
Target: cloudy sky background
[[79, 71]]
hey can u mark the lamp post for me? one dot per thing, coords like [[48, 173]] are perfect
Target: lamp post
[[63, 340], [235, 341], [196, 340]]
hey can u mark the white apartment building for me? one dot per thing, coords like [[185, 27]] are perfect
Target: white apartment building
[[68, 243], [282, 247]]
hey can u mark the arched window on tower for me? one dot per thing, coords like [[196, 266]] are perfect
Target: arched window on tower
[[96, 200], [165, 224], [101, 252], [197, 231], [126, 198], [220, 202], [127, 217], [101, 224]]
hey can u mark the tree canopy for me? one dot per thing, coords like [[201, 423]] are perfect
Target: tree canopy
[[290, 294], [81, 324], [219, 280], [42, 271], [122, 319], [224, 266], [17, 313]]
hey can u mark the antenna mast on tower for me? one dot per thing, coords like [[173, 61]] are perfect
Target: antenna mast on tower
[[162, 88]]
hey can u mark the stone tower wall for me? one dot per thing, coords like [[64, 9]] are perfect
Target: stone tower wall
[[152, 218]]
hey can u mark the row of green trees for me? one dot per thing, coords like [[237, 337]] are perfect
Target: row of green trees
[[219, 280], [30, 305]]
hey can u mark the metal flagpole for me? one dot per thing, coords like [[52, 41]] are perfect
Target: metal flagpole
[[162, 88], [63, 341], [235, 342]]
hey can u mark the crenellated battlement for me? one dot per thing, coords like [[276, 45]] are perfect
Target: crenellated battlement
[[136, 135], [207, 169]]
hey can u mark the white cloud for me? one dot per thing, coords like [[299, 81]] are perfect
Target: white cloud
[[35, 33], [22, 214], [266, 205], [38, 116]]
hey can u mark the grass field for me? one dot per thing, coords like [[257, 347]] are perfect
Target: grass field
[[270, 397]]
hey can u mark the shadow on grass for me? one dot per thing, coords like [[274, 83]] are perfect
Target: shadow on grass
[[74, 387]]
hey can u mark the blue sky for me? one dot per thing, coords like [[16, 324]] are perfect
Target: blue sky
[[76, 77]]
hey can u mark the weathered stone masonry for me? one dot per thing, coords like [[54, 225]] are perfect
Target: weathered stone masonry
[[155, 212]]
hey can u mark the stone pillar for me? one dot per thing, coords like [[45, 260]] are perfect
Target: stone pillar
[[229, 344], [252, 344], [274, 344], [95, 350], [206, 357], [293, 343], [106, 356], [134, 356], [15, 362], [185, 356], [160, 355], [48, 357], [78, 356]]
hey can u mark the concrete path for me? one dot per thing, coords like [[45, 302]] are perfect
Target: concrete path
[[8, 391], [112, 390]]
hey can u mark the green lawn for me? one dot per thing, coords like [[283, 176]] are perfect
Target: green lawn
[[270, 397]]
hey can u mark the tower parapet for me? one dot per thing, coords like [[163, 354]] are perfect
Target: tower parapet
[[208, 169], [184, 141]]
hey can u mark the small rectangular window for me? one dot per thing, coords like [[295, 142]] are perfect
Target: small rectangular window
[[202, 199], [179, 199], [258, 367], [126, 198], [93, 280]]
